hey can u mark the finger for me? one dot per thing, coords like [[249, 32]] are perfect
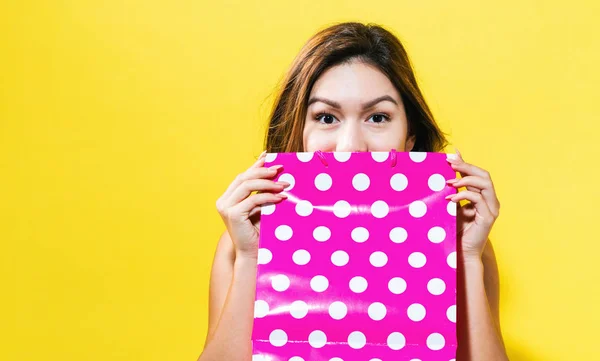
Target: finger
[[245, 207], [254, 185], [251, 173], [477, 200], [486, 188], [466, 169], [472, 182]]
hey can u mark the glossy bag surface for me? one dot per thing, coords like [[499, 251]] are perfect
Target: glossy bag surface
[[359, 262]]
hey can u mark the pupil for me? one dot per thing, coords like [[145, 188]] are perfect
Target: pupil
[[377, 118], [328, 119]]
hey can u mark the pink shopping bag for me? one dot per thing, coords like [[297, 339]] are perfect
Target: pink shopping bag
[[359, 263]]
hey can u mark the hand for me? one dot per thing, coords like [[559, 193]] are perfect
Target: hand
[[238, 205], [475, 219]]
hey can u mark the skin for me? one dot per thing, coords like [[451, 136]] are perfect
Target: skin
[[337, 120]]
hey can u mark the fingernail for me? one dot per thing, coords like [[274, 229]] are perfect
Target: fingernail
[[452, 181], [275, 167], [262, 154], [458, 152], [284, 184], [449, 196], [282, 196]]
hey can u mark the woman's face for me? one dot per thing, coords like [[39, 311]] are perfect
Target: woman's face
[[355, 108]]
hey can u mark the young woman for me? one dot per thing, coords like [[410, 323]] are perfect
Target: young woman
[[351, 88]]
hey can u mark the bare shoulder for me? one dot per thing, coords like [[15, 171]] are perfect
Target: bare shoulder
[[220, 279]]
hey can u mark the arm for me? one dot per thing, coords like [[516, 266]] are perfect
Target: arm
[[233, 275], [478, 326], [220, 281], [234, 326], [479, 336]]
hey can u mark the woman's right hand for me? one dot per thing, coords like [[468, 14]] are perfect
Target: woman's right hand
[[238, 204]]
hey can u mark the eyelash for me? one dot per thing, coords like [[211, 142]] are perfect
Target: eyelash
[[385, 116]]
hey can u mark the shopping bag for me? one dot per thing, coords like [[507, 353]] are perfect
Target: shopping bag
[[359, 262]]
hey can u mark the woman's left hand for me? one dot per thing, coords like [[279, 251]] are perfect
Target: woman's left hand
[[475, 219]]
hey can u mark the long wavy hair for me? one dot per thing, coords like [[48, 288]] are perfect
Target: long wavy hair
[[339, 44]]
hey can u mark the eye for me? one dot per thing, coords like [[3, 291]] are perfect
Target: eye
[[380, 118], [325, 118]]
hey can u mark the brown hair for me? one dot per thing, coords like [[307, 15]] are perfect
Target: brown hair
[[343, 43]]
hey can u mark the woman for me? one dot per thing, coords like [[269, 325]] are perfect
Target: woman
[[351, 88]]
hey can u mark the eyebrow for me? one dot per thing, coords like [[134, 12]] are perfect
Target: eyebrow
[[366, 105]]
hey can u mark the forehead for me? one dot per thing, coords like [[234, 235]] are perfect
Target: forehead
[[353, 81]]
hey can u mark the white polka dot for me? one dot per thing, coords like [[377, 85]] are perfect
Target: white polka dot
[[286, 177], [270, 157], [380, 209], [261, 309], [399, 182], [380, 156], [451, 260], [338, 310], [396, 341], [436, 182], [267, 209], [340, 258], [360, 234], [296, 358], [378, 259], [317, 339], [417, 259], [417, 209], [436, 234], [323, 182], [321, 233], [342, 156], [305, 156], [301, 257], [358, 284], [415, 359], [417, 157], [436, 342], [342, 209], [398, 235], [451, 313], [361, 182], [280, 283], [375, 359], [298, 309], [397, 285], [377, 311], [416, 312], [436, 286], [451, 208], [264, 256], [259, 358], [357, 340], [335, 359], [278, 338], [283, 232], [304, 208], [319, 283]]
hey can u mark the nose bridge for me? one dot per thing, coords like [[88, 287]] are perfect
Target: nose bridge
[[350, 138]]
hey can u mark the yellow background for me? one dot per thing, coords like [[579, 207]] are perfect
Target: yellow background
[[121, 122]]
